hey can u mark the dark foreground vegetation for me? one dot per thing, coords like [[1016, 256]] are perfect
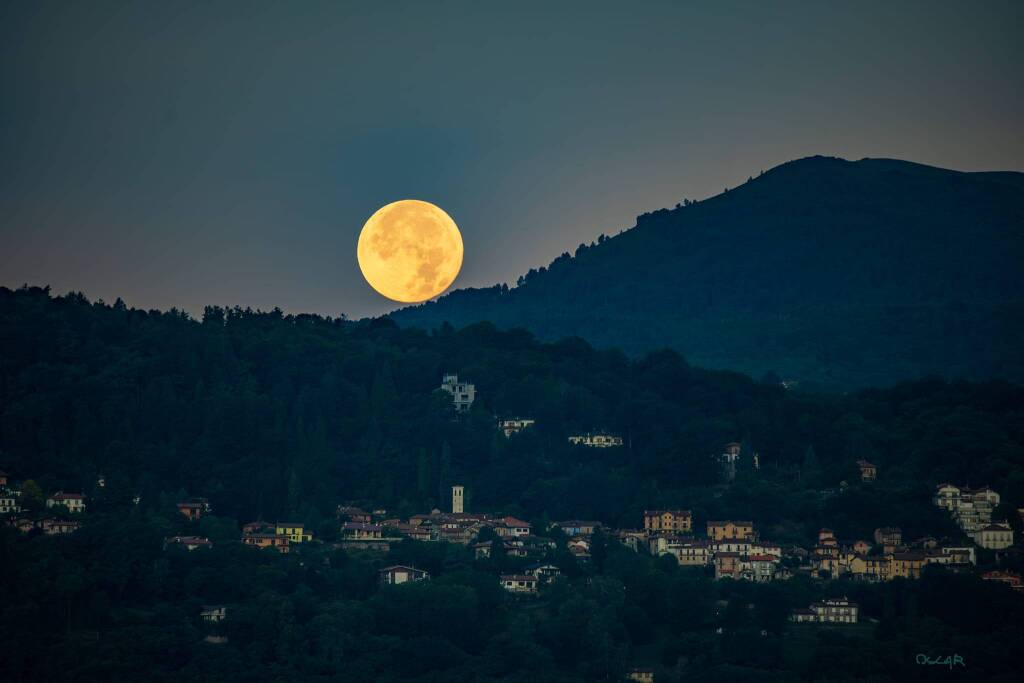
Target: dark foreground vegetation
[[108, 603], [271, 416]]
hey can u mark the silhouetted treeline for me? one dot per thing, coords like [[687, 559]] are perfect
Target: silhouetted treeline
[[269, 415]]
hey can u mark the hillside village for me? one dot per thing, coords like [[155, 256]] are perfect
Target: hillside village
[[533, 558], [637, 517]]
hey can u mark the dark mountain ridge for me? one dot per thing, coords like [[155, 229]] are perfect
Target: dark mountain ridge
[[830, 272]]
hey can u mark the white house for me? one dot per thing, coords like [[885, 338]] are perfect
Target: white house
[[513, 425], [995, 536], [831, 611], [596, 440], [688, 553], [8, 503], [463, 393], [742, 547], [213, 613], [759, 568], [519, 583], [544, 572], [75, 502], [971, 508]]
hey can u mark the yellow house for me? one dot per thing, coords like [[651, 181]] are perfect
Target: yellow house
[[869, 567], [907, 565], [857, 565], [668, 520], [880, 567], [730, 530], [295, 531]]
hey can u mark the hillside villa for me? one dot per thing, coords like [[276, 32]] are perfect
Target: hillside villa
[[74, 502], [673, 521]]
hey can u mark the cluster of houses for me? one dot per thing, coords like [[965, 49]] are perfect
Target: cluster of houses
[[732, 547], [62, 508], [972, 511], [887, 558], [278, 535], [514, 537]]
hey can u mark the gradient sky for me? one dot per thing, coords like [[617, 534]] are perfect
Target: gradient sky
[[180, 154]]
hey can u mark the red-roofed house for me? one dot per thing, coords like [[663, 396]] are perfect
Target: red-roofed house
[[74, 502], [868, 472], [358, 531], [727, 565], [194, 507], [267, 540], [510, 526], [1011, 579]]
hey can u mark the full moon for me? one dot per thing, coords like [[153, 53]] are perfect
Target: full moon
[[410, 251]]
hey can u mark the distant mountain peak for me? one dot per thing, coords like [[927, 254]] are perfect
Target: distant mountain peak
[[828, 271]]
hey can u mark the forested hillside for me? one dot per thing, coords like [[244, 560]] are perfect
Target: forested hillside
[[834, 273], [270, 415], [280, 417]]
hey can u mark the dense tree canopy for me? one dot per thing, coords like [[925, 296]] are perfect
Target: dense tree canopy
[[270, 416]]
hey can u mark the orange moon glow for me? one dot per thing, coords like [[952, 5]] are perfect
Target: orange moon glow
[[410, 251]]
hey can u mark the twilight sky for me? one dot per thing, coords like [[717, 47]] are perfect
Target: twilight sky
[[182, 154]]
